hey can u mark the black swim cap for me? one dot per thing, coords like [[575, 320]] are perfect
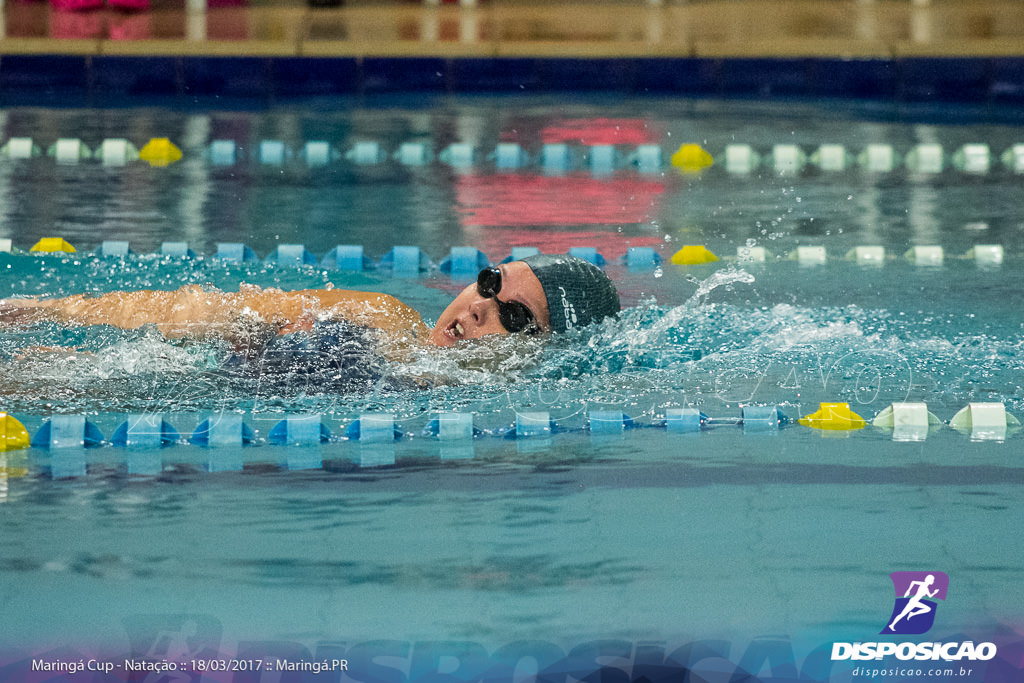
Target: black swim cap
[[577, 291]]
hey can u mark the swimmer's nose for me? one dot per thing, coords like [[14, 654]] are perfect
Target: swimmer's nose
[[481, 309]]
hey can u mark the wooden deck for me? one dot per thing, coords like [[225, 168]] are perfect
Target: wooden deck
[[521, 28]]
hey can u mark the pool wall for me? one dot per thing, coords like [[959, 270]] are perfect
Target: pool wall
[[56, 79]]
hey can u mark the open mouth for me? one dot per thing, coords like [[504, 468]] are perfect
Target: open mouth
[[455, 330]]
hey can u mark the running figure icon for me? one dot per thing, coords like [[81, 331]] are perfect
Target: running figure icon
[[916, 594], [914, 606]]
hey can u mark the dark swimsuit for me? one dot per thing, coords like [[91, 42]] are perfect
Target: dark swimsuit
[[335, 356]]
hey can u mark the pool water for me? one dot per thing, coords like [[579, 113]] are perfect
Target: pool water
[[434, 553]]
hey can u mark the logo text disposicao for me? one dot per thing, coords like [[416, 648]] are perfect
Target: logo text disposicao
[[949, 652]]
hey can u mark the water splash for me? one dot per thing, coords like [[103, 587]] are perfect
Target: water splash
[[718, 348], [722, 278], [646, 335]]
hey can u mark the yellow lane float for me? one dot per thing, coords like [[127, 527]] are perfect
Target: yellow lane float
[[12, 434], [692, 158], [693, 254], [833, 416], [160, 152], [53, 244]]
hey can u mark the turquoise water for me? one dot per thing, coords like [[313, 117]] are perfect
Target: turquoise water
[[439, 555]]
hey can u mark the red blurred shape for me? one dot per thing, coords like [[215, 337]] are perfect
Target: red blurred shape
[[599, 131], [524, 200]]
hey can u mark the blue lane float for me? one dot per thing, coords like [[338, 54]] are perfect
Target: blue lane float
[[556, 159], [176, 250], [647, 159], [604, 159], [532, 424], [347, 257], [452, 426], [274, 153], [366, 153], [685, 420], [519, 253], [299, 430], [67, 431], [589, 254], [458, 155], [223, 429], [235, 252], [317, 153], [753, 419], [762, 418], [463, 261], [609, 422], [114, 248], [406, 260], [149, 430], [222, 153], [509, 156], [374, 428], [291, 255], [638, 258], [414, 154]]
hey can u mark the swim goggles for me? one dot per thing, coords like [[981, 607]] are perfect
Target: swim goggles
[[514, 316]]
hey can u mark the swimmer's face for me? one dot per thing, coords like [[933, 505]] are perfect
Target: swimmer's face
[[473, 315]]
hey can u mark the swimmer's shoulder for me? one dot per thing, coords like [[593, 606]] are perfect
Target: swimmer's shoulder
[[373, 309]]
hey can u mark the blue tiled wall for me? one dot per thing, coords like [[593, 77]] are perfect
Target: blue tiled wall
[[56, 80]]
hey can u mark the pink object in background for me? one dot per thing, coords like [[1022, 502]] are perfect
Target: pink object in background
[[76, 5], [129, 4], [133, 26], [86, 5], [72, 25]]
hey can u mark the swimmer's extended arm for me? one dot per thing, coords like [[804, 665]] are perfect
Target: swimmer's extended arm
[[194, 312], [371, 309]]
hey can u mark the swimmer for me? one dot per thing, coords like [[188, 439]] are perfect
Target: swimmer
[[536, 295]]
